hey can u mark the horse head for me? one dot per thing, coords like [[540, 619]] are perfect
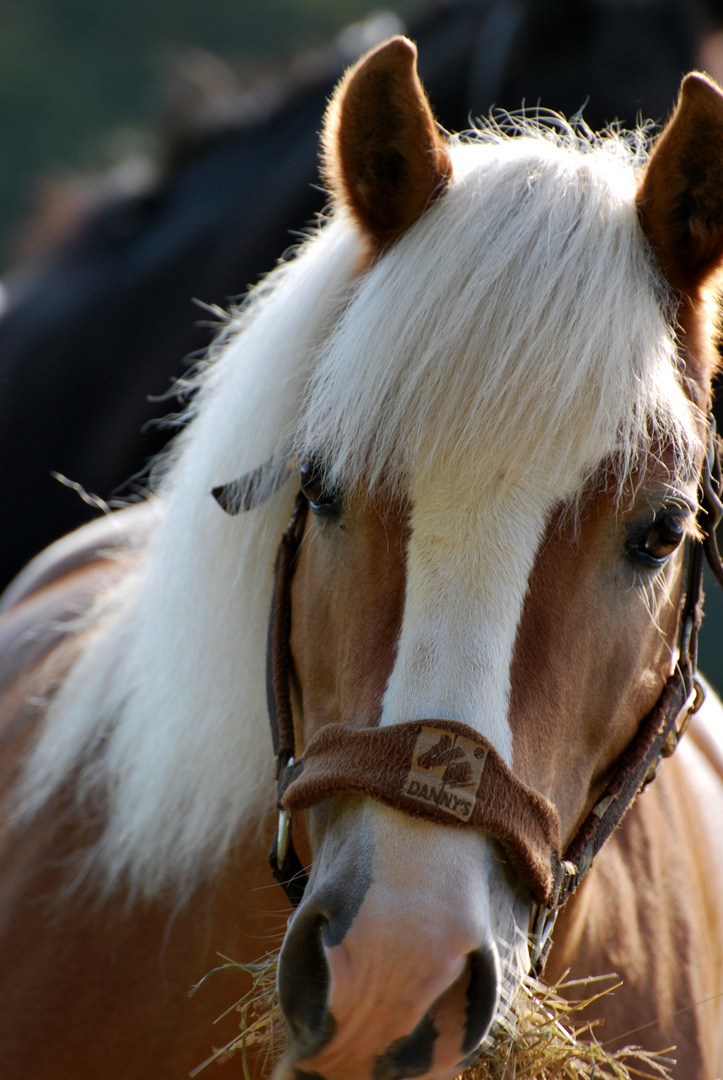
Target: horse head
[[500, 457]]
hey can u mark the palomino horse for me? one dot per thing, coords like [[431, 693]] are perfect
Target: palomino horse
[[491, 370]]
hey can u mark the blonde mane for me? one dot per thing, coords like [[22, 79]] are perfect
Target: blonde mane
[[521, 317]]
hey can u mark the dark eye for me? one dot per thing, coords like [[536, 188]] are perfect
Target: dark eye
[[657, 542], [324, 498]]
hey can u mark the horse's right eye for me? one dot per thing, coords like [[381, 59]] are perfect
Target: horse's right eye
[[656, 544], [324, 497]]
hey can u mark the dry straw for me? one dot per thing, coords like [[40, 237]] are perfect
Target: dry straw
[[544, 1037]]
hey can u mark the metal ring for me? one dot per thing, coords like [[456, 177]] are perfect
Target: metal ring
[[283, 829], [543, 923], [700, 694], [283, 832]]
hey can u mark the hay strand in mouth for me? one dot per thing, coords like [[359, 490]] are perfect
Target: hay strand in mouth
[[261, 1023], [542, 1037]]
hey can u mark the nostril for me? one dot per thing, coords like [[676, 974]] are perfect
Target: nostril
[[303, 982], [482, 996]]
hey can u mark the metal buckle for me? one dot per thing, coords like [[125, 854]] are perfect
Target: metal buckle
[[543, 918], [540, 935]]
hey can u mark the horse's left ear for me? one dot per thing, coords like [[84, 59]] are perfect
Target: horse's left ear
[[680, 199], [383, 155]]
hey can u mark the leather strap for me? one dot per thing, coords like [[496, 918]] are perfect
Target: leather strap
[[240, 495], [278, 653], [284, 862]]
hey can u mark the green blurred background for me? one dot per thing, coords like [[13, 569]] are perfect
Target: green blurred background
[[82, 81]]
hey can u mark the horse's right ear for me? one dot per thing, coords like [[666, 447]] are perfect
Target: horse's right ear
[[383, 155], [680, 199]]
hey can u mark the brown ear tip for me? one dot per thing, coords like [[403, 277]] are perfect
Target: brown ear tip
[[397, 52], [699, 85], [401, 45]]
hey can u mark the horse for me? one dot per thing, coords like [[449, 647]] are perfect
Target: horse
[[458, 446]]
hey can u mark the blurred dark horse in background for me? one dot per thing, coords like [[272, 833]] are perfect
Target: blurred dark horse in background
[[104, 319]]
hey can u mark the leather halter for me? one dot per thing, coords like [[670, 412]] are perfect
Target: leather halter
[[411, 766]]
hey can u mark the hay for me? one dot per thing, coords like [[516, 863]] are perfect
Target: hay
[[543, 1037], [261, 1023]]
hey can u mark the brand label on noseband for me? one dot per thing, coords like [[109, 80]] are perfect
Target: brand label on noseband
[[446, 770]]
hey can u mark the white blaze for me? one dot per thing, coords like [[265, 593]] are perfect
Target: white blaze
[[468, 564]]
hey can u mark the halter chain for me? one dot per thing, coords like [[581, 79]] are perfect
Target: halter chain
[[447, 772]]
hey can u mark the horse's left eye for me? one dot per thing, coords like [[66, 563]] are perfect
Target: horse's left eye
[[658, 542], [324, 497]]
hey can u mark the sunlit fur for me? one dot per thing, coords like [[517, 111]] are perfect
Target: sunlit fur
[[516, 337]]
